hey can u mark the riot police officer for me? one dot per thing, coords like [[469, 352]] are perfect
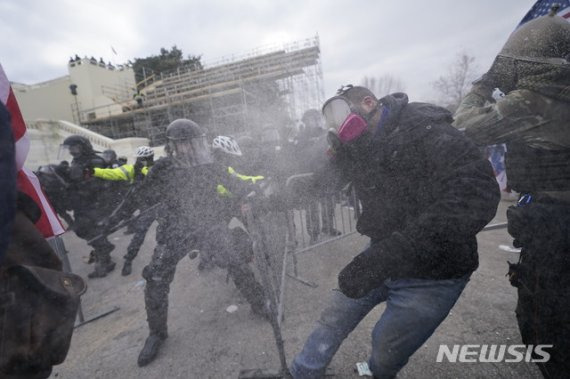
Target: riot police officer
[[88, 199], [192, 216]]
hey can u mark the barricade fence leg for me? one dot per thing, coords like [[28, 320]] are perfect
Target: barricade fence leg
[[263, 247]]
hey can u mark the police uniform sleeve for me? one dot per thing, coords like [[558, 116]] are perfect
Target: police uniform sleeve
[[122, 173]]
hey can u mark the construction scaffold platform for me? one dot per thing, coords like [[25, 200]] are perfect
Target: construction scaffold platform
[[268, 88]]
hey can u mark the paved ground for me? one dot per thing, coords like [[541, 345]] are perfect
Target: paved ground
[[206, 341]]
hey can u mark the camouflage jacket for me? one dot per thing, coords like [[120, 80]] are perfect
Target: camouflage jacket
[[523, 115]]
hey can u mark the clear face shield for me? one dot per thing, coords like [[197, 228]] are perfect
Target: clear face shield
[[192, 152], [342, 120], [68, 152]]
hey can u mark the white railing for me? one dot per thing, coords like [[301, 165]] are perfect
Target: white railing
[[47, 135], [59, 126]]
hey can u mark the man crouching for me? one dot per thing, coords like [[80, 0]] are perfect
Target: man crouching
[[426, 191]]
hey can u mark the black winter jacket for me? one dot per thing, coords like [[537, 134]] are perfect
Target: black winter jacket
[[89, 197], [426, 191]]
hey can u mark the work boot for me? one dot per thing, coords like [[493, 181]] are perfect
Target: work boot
[[127, 268], [102, 269], [150, 349]]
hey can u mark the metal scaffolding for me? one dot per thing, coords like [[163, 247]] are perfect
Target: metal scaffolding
[[269, 87]]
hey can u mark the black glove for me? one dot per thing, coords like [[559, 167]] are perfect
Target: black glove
[[485, 86], [138, 166], [391, 257], [362, 275]]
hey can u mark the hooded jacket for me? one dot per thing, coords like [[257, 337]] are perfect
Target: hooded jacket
[[426, 191]]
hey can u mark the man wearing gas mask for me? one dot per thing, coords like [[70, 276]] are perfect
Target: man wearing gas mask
[[533, 119], [191, 216], [426, 191]]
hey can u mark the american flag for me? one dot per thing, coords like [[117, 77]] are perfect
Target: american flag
[[542, 7], [48, 224]]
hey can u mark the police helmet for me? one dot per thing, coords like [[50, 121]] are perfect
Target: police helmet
[[183, 129], [77, 140], [187, 143], [109, 155]]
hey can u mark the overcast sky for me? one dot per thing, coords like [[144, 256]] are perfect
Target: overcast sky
[[413, 40]]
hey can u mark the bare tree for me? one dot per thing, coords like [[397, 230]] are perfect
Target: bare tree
[[455, 85], [383, 85]]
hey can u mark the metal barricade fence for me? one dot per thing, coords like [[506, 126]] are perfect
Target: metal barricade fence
[[280, 235], [319, 220]]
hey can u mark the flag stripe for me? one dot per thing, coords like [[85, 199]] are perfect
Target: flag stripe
[[48, 224], [22, 148], [18, 125]]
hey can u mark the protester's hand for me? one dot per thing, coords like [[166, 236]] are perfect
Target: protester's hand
[[485, 86], [361, 276]]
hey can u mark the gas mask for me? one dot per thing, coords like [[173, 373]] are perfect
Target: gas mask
[[191, 152], [343, 120]]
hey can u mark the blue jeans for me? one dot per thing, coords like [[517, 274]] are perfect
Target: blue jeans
[[414, 309]]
